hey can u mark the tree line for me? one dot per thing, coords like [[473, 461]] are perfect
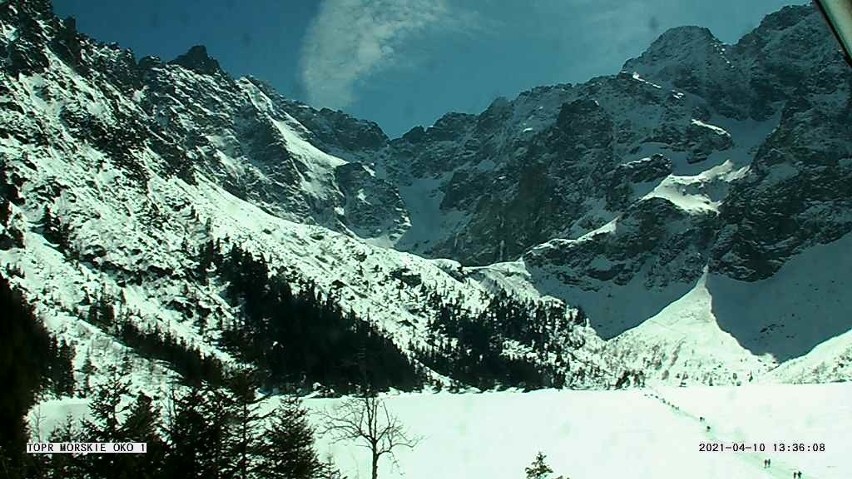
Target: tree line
[[205, 432], [152, 342], [299, 336], [32, 364], [469, 347], [208, 431]]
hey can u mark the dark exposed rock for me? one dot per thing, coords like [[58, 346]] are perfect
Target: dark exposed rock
[[558, 162], [798, 192], [197, 60], [372, 206]]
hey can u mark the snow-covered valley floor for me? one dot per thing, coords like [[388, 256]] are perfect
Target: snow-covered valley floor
[[629, 434], [633, 434]]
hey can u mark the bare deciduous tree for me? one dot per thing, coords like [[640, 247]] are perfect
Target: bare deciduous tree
[[367, 421]]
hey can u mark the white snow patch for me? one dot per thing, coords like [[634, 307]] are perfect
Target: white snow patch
[[714, 128], [614, 434]]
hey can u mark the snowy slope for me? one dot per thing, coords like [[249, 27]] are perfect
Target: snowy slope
[[684, 342], [631, 196], [642, 433], [787, 315], [589, 435], [131, 208], [792, 327]]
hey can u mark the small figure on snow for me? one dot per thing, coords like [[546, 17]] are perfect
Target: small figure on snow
[[708, 428], [701, 418]]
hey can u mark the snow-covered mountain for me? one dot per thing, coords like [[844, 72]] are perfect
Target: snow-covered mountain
[[700, 169], [117, 174], [695, 206]]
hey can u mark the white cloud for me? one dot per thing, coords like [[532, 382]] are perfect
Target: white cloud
[[352, 39]]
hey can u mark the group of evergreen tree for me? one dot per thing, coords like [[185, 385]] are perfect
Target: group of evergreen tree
[[56, 231], [60, 369], [299, 336], [629, 378], [9, 195], [152, 342], [208, 432], [469, 347], [31, 362]]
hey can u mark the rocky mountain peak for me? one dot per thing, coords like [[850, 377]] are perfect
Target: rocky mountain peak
[[682, 41], [693, 60], [690, 44], [450, 126], [785, 18], [150, 61], [36, 8], [197, 60], [790, 47], [798, 28]]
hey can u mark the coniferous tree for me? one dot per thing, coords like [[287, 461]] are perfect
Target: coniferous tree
[[87, 370], [65, 466], [206, 258], [107, 407], [539, 468], [192, 365], [184, 431], [61, 370], [55, 231], [199, 434], [24, 369], [217, 434], [288, 445], [142, 424], [304, 338], [246, 417]]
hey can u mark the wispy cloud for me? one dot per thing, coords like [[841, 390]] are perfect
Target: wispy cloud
[[350, 40]]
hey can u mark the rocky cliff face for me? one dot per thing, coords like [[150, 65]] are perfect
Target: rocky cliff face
[[619, 193], [562, 161], [555, 162], [199, 119]]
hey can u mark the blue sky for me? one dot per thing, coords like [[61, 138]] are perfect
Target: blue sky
[[403, 63]]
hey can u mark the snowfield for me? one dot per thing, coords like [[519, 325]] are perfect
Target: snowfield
[[638, 433], [615, 434]]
